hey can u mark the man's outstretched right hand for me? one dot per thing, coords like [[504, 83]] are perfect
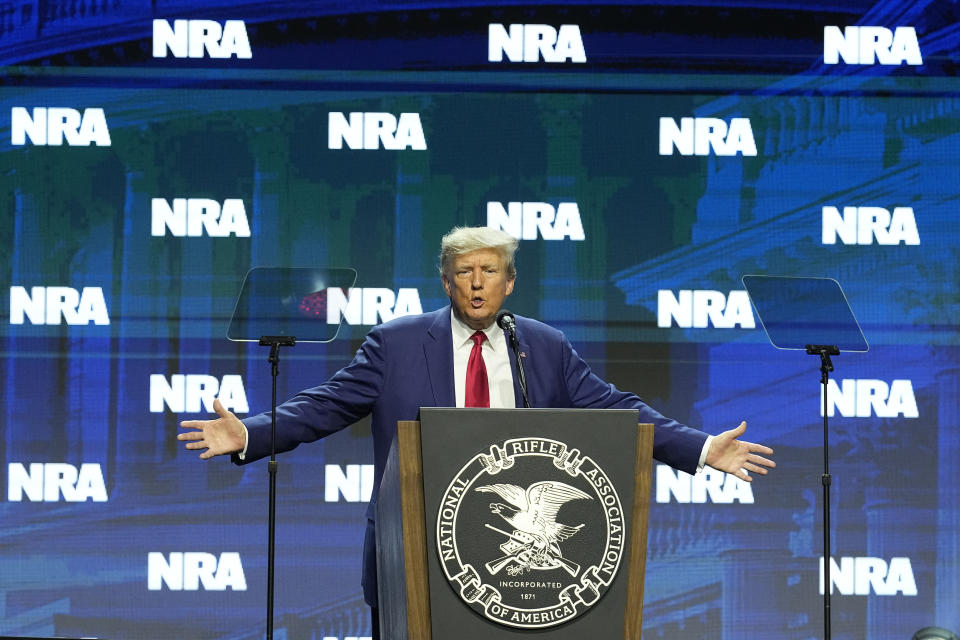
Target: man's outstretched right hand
[[223, 435]]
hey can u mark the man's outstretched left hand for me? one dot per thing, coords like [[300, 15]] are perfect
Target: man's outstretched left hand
[[739, 457]]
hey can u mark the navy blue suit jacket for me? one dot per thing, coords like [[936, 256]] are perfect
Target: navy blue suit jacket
[[407, 363]]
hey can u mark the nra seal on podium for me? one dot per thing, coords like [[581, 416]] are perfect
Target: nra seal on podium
[[531, 533]]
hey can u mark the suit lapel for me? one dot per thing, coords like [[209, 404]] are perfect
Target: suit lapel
[[438, 351]]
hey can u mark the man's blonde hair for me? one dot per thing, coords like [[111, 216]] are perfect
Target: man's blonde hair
[[462, 240]]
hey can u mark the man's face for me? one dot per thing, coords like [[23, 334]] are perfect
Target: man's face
[[477, 284]]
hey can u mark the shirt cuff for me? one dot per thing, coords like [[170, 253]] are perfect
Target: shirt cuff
[[246, 443], [700, 465]]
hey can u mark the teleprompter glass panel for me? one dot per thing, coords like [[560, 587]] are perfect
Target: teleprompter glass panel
[[289, 301], [800, 311]]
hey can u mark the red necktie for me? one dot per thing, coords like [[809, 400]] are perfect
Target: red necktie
[[477, 390]]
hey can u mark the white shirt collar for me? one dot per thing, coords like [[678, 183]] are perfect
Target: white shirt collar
[[462, 332]]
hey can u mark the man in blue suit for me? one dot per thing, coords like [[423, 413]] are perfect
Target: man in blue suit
[[425, 360]]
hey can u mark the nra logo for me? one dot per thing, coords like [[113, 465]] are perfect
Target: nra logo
[[201, 38], [53, 481], [700, 136], [370, 306], [869, 398], [195, 217], [186, 393], [865, 576], [709, 486], [56, 305], [353, 483], [375, 131], [194, 571], [535, 42], [871, 45], [52, 126], [701, 308], [869, 225], [530, 220]]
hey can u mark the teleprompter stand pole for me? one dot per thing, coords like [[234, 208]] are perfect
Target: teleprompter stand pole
[[826, 366], [274, 342]]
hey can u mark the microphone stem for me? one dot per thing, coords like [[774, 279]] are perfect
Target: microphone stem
[[520, 373], [506, 322]]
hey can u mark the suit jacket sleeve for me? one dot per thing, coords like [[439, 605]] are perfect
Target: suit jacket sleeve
[[674, 443], [346, 397]]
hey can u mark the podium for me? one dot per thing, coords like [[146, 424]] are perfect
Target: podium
[[501, 523]]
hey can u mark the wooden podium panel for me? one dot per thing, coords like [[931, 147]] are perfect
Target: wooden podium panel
[[418, 600], [402, 541]]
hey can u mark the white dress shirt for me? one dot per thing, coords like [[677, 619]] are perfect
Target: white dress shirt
[[496, 359]]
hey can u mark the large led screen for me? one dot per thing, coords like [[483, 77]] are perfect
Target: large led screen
[[647, 155]]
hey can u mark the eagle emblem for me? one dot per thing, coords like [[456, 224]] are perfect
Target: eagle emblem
[[530, 532], [533, 544]]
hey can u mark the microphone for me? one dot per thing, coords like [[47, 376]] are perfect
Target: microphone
[[508, 323]]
